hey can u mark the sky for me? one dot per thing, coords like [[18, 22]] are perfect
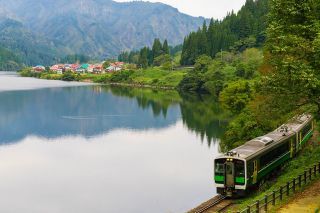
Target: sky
[[207, 8]]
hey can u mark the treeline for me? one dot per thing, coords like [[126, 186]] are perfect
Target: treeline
[[236, 31], [159, 54]]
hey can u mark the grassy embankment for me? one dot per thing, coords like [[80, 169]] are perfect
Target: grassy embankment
[[309, 156], [150, 77]]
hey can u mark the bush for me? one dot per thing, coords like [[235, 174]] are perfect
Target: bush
[[122, 76], [69, 76], [192, 82]]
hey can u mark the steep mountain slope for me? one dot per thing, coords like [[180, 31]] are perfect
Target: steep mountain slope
[[28, 48], [100, 28]]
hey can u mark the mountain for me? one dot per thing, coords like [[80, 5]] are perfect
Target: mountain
[[29, 48], [98, 28]]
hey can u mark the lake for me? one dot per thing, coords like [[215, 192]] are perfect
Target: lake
[[74, 147]]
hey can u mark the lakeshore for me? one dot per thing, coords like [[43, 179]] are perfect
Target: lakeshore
[[155, 77]]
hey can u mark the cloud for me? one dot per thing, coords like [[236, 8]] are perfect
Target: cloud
[[207, 8]]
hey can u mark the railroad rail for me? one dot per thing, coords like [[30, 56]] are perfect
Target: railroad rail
[[217, 204]]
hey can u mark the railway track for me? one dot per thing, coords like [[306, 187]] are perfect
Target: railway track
[[217, 204]]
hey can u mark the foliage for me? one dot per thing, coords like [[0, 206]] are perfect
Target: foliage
[[160, 54], [236, 96], [122, 76], [9, 61], [236, 32], [243, 128], [162, 59], [192, 82], [213, 75], [69, 76], [291, 77], [202, 63], [29, 49]]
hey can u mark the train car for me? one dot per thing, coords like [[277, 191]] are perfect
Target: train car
[[240, 169]]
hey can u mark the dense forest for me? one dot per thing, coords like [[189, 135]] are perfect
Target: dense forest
[[235, 32], [289, 79], [160, 54], [9, 61]]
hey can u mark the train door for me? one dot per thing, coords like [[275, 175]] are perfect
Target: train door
[[292, 148], [229, 174], [255, 172]]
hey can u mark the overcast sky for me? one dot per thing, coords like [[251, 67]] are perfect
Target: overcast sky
[[206, 8]]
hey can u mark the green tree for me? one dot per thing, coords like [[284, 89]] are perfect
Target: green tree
[[202, 63], [291, 74], [143, 58], [165, 48], [236, 96], [156, 48], [162, 59]]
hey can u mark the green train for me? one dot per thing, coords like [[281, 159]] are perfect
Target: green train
[[240, 169]]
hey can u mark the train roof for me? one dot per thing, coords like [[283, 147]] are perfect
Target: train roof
[[260, 144]]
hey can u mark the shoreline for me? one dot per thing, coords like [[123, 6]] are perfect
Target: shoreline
[[90, 81]]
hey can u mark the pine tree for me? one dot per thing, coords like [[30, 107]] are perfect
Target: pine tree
[[165, 48], [156, 48], [143, 58]]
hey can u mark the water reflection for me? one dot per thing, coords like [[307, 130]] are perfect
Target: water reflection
[[200, 113], [204, 116], [94, 110], [106, 149], [82, 111]]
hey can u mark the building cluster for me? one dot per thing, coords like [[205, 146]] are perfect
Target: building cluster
[[81, 68]]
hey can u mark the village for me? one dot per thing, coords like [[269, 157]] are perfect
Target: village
[[81, 68]]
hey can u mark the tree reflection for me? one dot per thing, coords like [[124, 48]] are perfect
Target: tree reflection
[[200, 114], [204, 116]]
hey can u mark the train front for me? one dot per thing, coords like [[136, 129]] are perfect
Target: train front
[[230, 175]]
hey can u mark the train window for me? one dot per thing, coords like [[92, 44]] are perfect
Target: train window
[[250, 168], [269, 157], [219, 166], [239, 172], [306, 130]]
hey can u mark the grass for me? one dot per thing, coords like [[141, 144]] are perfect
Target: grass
[[308, 157], [157, 77]]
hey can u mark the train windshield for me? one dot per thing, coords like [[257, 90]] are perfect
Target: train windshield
[[219, 170]]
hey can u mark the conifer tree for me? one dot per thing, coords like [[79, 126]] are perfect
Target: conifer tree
[[165, 48], [156, 48]]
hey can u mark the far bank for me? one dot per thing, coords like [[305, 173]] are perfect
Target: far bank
[[151, 78]]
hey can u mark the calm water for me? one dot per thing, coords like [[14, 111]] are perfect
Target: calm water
[[83, 148]]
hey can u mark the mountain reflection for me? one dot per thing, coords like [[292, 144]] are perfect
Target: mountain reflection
[[90, 111]]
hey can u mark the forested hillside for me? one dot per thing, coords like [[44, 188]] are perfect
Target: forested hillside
[[31, 49], [237, 31], [289, 79], [100, 28], [9, 61]]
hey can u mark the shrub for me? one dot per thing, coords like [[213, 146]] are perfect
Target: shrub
[[69, 76]]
